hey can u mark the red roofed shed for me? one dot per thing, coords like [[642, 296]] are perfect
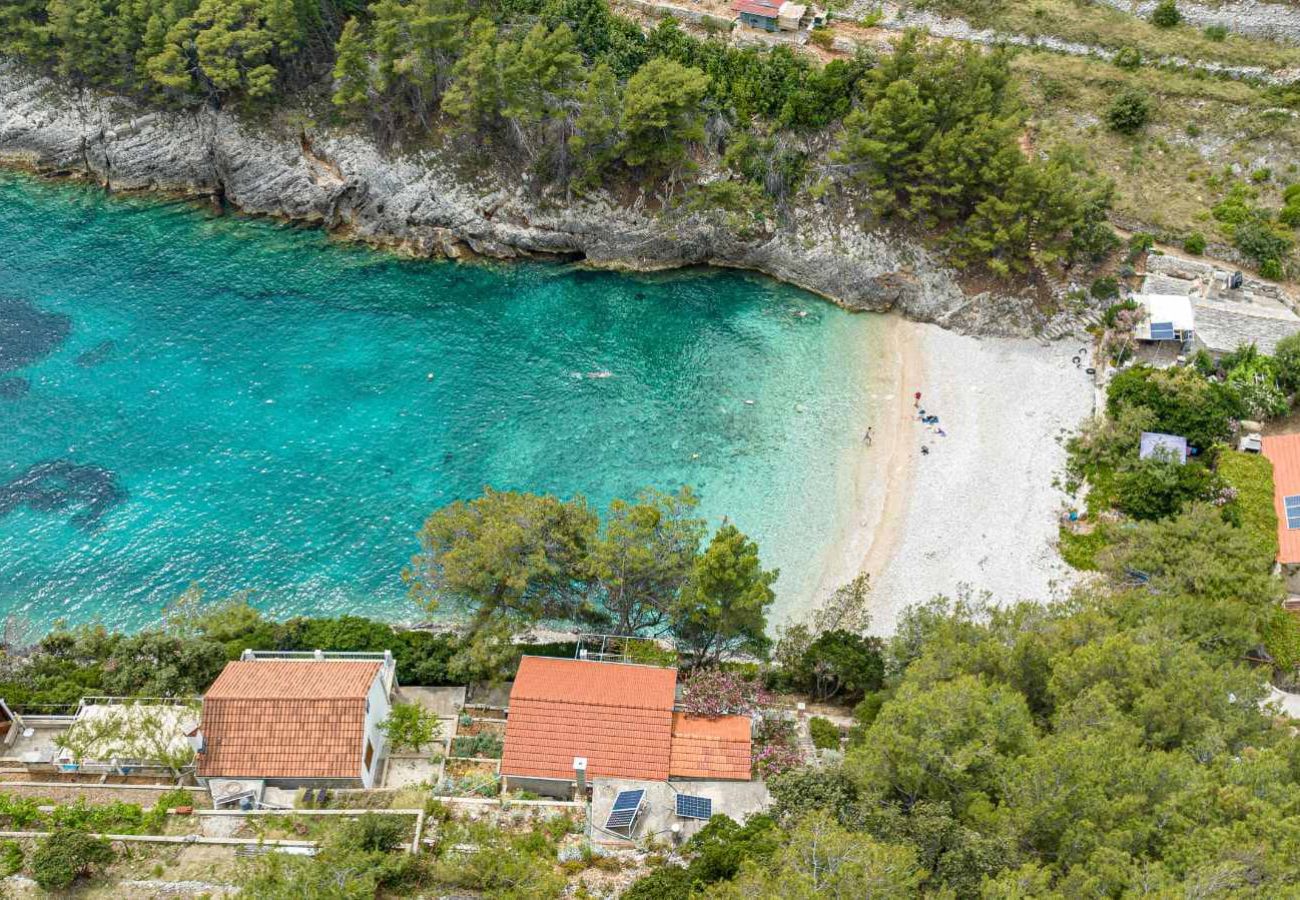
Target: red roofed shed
[[711, 748], [1283, 451], [619, 718]]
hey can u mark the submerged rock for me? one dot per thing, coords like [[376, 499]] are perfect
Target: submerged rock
[[60, 484], [96, 355], [28, 334]]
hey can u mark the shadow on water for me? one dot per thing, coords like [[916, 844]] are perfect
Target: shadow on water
[[28, 334], [61, 484], [96, 355]]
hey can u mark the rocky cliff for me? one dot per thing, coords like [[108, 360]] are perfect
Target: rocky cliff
[[416, 204]]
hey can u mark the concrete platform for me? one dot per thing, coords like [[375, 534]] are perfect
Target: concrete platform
[[736, 799]]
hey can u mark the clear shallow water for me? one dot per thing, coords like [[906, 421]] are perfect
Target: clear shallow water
[[251, 406]]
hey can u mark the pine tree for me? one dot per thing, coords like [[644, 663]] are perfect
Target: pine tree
[[662, 114], [594, 141], [538, 84], [475, 93], [351, 70]]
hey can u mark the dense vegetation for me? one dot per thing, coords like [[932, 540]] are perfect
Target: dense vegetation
[[1204, 403], [925, 138], [1109, 745]]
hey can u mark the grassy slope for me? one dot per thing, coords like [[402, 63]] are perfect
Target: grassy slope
[[1168, 176], [1103, 26]]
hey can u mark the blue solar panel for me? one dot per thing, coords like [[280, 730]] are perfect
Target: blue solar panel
[[689, 807], [625, 809], [1162, 331], [1292, 505]]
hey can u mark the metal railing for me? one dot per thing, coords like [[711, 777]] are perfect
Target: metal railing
[[385, 657], [624, 649]]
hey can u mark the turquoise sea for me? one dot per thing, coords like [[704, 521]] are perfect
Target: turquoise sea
[[246, 405]]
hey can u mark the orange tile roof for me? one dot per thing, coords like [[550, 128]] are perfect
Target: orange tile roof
[[617, 716], [711, 748], [1283, 451], [286, 719]]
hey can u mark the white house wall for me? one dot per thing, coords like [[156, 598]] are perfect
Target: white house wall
[[377, 709]]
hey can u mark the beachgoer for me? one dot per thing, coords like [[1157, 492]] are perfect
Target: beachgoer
[[866, 438], [941, 432], [925, 449], [916, 400]]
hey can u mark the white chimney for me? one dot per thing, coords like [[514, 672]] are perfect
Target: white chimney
[[580, 774]]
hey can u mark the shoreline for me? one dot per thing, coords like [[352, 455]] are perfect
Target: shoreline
[[417, 203], [880, 473]]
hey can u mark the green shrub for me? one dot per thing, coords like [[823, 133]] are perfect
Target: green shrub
[[1111, 316], [1281, 637], [1272, 269], [864, 714], [1156, 488], [410, 726], [1250, 476], [1128, 58], [666, 883], [1183, 400], [1129, 112], [1141, 242], [825, 734], [65, 856], [1080, 550], [484, 745], [1216, 32], [1257, 238], [1194, 243], [1166, 14], [11, 858], [1105, 288], [1236, 206], [1286, 362], [1261, 175], [1289, 215], [373, 833]]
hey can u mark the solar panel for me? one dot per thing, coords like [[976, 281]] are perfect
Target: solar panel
[[1292, 505], [625, 809], [1162, 331], [689, 807]]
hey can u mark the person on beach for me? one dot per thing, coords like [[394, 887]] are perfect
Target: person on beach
[[916, 400], [866, 438]]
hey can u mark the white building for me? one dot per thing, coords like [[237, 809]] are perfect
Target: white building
[[1169, 317]]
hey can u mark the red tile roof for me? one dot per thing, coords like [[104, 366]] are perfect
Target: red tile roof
[[1283, 451], [711, 748], [617, 716], [765, 8], [286, 719]]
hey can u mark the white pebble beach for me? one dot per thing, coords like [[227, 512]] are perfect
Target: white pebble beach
[[980, 509]]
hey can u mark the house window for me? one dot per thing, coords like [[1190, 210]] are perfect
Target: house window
[[370, 754], [1292, 505]]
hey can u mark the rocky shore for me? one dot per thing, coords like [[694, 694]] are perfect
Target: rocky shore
[[415, 203]]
